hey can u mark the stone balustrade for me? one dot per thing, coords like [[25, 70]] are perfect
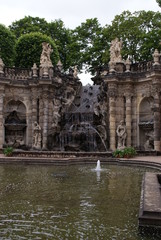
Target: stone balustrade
[[17, 73]]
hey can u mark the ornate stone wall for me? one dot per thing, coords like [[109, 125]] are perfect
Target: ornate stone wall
[[45, 97], [134, 92]]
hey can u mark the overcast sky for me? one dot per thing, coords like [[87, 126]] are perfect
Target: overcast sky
[[71, 12]]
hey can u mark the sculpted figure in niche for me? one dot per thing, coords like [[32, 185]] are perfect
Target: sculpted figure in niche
[[45, 55], [115, 50], [149, 144], [56, 112], [69, 96], [121, 134], [37, 136]]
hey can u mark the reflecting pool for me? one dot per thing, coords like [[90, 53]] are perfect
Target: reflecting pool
[[70, 202]]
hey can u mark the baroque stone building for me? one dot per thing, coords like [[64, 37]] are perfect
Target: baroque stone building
[[45, 108]]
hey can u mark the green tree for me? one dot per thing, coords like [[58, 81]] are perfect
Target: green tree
[[88, 39], [29, 49], [7, 45], [63, 39], [29, 24], [56, 30], [159, 2], [139, 31]]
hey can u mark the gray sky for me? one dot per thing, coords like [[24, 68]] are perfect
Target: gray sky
[[71, 12]]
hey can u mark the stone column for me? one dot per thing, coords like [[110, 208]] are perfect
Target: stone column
[[128, 120], [34, 110], [112, 123], [1, 121], [134, 122], [45, 121], [34, 114], [156, 123]]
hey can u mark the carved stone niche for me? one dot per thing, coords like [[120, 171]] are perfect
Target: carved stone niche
[[146, 124], [15, 124]]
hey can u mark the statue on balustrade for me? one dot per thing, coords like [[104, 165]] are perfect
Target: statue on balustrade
[[115, 51], [45, 55]]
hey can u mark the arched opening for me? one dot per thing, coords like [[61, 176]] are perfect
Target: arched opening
[[15, 124], [146, 124]]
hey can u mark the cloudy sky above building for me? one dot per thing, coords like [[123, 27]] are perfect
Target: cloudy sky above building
[[71, 12]]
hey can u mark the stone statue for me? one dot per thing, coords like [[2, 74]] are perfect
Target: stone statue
[[149, 144], [37, 139], [75, 73], [115, 51], [68, 97], [121, 134], [45, 55], [56, 112]]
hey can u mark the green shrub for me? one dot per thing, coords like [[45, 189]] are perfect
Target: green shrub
[[127, 152], [8, 151]]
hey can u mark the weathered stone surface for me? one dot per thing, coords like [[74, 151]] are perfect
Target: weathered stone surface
[[82, 118], [150, 205]]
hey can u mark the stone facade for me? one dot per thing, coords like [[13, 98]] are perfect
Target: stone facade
[[134, 94], [47, 96]]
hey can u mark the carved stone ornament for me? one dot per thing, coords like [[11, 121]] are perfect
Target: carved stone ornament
[[128, 64], [1, 66], [34, 70], [156, 56], [59, 66], [45, 55], [115, 51], [75, 73]]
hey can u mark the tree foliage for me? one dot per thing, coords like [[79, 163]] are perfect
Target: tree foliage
[[29, 24], [29, 49], [88, 44], [139, 31], [63, 39], [55, 30], [88, 40], [159, 2], [7, 45]]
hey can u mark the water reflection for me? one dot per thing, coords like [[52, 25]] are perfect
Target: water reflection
[[40, 202], [98, 173]]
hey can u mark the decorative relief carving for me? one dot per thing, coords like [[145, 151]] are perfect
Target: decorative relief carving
[[155, 89], [112, 90]]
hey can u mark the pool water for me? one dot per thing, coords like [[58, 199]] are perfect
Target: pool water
[[70, 202]]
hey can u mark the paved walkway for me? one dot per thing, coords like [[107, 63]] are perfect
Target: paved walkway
[[155, 159]]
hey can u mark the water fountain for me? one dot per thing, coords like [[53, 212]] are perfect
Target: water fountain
[[79, 124], [98, 167]]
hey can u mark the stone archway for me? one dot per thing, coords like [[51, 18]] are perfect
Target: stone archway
[[146, 124], [15, 124]]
